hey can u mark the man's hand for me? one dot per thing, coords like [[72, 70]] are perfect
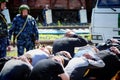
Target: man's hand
[[87, 56], [37, 43]]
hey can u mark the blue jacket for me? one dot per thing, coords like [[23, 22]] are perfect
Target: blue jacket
[[29, 30]]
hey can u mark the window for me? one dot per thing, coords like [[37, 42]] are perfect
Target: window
[[108, 4]]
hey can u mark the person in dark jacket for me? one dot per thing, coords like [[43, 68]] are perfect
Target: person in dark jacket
[[44, 15], [15, 69], [68, 43], [3, 30], [49, 69], [112, 65]]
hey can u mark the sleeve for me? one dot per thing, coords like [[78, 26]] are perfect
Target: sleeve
[[97, 62], [35, 29], [82, 41], [78, 42], [12, 28], [59, 69]]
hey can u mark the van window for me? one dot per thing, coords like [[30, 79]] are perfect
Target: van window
[[108, 4]]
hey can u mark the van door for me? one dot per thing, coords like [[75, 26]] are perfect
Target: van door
[[105, 20]]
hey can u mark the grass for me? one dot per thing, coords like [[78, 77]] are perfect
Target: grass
[[12, 52]]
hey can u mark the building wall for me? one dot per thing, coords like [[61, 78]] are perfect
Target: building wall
[[39, 4], [65, 8]]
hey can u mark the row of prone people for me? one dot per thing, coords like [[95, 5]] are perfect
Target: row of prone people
[[59, 62], [108, 52], [90, 62]]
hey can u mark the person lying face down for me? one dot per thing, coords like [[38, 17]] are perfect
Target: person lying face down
[[16, 69], [38, 54], [85, 59], [49, 69]]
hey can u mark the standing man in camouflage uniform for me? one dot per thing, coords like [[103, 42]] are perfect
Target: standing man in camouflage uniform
[[44, 15], [3, 30], [24, 29]]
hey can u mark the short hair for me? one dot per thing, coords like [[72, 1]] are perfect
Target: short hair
[[70, 33]]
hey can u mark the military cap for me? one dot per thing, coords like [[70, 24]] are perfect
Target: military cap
[[24, 6]]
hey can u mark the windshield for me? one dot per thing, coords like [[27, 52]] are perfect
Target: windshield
[[108, 4]]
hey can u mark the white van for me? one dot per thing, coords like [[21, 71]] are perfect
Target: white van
[[105, 21]]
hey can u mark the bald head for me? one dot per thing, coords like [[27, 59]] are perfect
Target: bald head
[[70, 33]]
